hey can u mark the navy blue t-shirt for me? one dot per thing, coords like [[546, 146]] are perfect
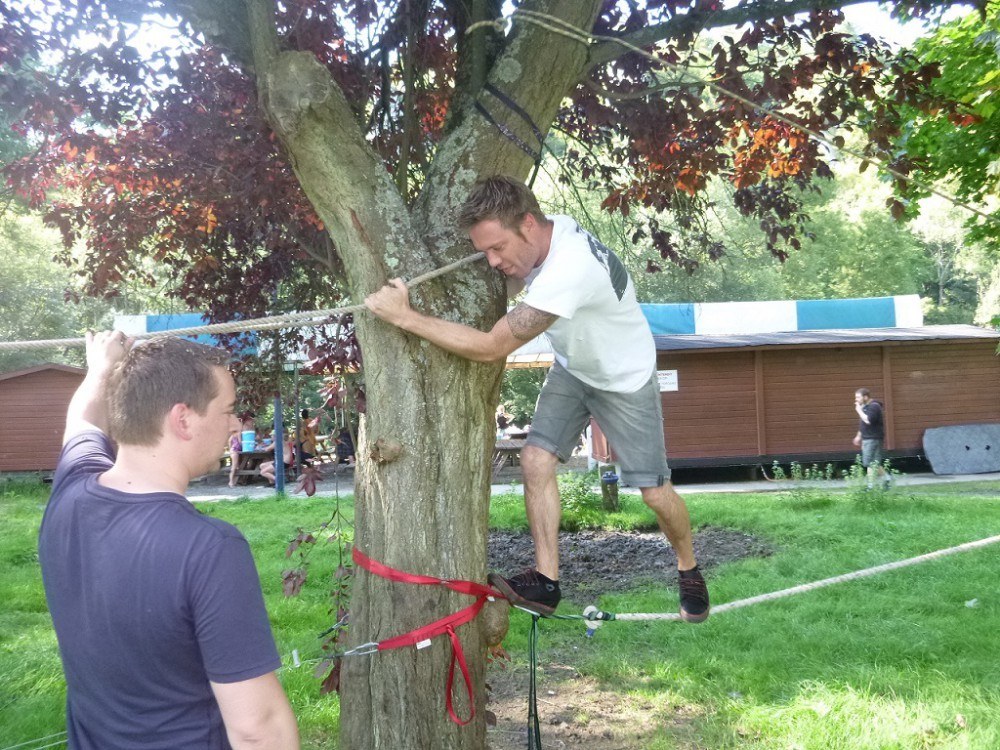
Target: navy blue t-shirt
[[150, 600], [873, 429]]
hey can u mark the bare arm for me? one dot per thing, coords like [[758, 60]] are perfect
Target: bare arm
[[861, 413], [523, 323], [88, 409], [257, 714]]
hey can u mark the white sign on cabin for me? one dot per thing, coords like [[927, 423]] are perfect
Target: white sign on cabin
[[667, 380]]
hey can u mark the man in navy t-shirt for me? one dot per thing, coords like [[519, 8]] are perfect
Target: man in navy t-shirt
[[871, 434], [161, 624]]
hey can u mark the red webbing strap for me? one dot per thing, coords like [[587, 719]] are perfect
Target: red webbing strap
[[384, 571], [446, 624], [457, 654], [434, 629]]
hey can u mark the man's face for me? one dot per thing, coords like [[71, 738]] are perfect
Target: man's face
[[507, 250], [859, 399], [219, 419]]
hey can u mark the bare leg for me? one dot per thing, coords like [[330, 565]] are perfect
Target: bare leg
[[541, 501], [267, 471], [876, 472], [234, 464], [672, 516]]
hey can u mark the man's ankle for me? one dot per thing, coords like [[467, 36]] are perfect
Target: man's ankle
[[549, 574]]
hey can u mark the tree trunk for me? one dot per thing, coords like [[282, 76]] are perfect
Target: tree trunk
[[422, 505]]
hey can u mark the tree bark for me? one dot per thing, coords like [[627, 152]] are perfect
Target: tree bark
[[426, 510]]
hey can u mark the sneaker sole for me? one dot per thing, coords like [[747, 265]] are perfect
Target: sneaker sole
[[694, 619], [500, 584]]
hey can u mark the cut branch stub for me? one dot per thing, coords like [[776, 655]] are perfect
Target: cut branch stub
[[386, 451]]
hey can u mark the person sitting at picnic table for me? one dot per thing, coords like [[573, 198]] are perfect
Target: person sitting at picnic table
[[307, 436], [234, 456], [267, 467], [503, 421], [345, 447]]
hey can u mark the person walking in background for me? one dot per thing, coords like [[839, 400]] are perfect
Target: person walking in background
[[157, 608], [870, 437], [580, 295]]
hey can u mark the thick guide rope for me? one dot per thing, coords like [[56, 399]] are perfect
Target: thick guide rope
[[270, 323], [562, 28]]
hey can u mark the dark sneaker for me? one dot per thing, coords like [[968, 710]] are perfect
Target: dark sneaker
[[529, 590], [694, 596]]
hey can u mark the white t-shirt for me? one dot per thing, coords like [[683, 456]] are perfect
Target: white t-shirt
[[601, 336]]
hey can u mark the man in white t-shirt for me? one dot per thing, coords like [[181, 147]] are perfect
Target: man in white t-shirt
[[581, 297]]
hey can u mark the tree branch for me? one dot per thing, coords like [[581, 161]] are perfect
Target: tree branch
[[606, 51], [223, 22]]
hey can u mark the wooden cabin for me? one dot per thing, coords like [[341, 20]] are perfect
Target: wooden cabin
[[755, 398], [33, 405]]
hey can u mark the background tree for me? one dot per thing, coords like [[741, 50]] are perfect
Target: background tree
[[32, 294], [964, 147], [307, 142]]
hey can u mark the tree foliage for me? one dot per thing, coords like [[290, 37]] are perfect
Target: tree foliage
[[169, 156], [317, 149], [32, 294], [964, 146]]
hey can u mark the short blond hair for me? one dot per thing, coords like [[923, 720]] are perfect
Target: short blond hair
[[499, 198], [154, 377]]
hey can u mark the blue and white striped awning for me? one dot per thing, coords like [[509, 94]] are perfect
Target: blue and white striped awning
[[712, 318]]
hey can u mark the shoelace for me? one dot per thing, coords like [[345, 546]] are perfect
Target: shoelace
[[694, 588], [527, 577]]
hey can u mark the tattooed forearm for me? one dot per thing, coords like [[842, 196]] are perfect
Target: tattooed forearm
[[527, 322]]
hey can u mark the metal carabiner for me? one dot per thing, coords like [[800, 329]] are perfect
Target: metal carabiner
[[365, 648]]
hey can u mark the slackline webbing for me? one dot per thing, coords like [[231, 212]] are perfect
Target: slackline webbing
[[270, 323]]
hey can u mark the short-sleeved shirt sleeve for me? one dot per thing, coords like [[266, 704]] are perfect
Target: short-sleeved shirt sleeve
[[230, 619]]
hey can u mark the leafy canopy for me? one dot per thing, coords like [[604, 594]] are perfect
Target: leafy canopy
[[167, 155], [963, 147]]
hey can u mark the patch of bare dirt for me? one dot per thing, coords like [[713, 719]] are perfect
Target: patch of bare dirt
[[593, 562], [575, 710]]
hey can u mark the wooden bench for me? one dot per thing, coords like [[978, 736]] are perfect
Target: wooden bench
[[507, 452]]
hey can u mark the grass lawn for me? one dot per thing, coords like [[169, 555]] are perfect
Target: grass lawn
[[898, 661]]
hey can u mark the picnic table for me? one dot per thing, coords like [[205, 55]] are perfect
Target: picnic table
[[250, 461], [507, 452]]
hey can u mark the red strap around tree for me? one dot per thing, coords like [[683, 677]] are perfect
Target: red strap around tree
[[422, 636]]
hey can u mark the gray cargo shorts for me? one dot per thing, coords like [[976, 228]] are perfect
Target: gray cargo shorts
[[871, 452], [632, 422]]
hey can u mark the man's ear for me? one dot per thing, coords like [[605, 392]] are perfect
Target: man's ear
[[178, 422]]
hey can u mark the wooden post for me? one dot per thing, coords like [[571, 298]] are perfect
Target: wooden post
[[609, 490]]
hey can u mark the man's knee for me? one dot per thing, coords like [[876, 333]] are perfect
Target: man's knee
[[537, 462], [665, 494]]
